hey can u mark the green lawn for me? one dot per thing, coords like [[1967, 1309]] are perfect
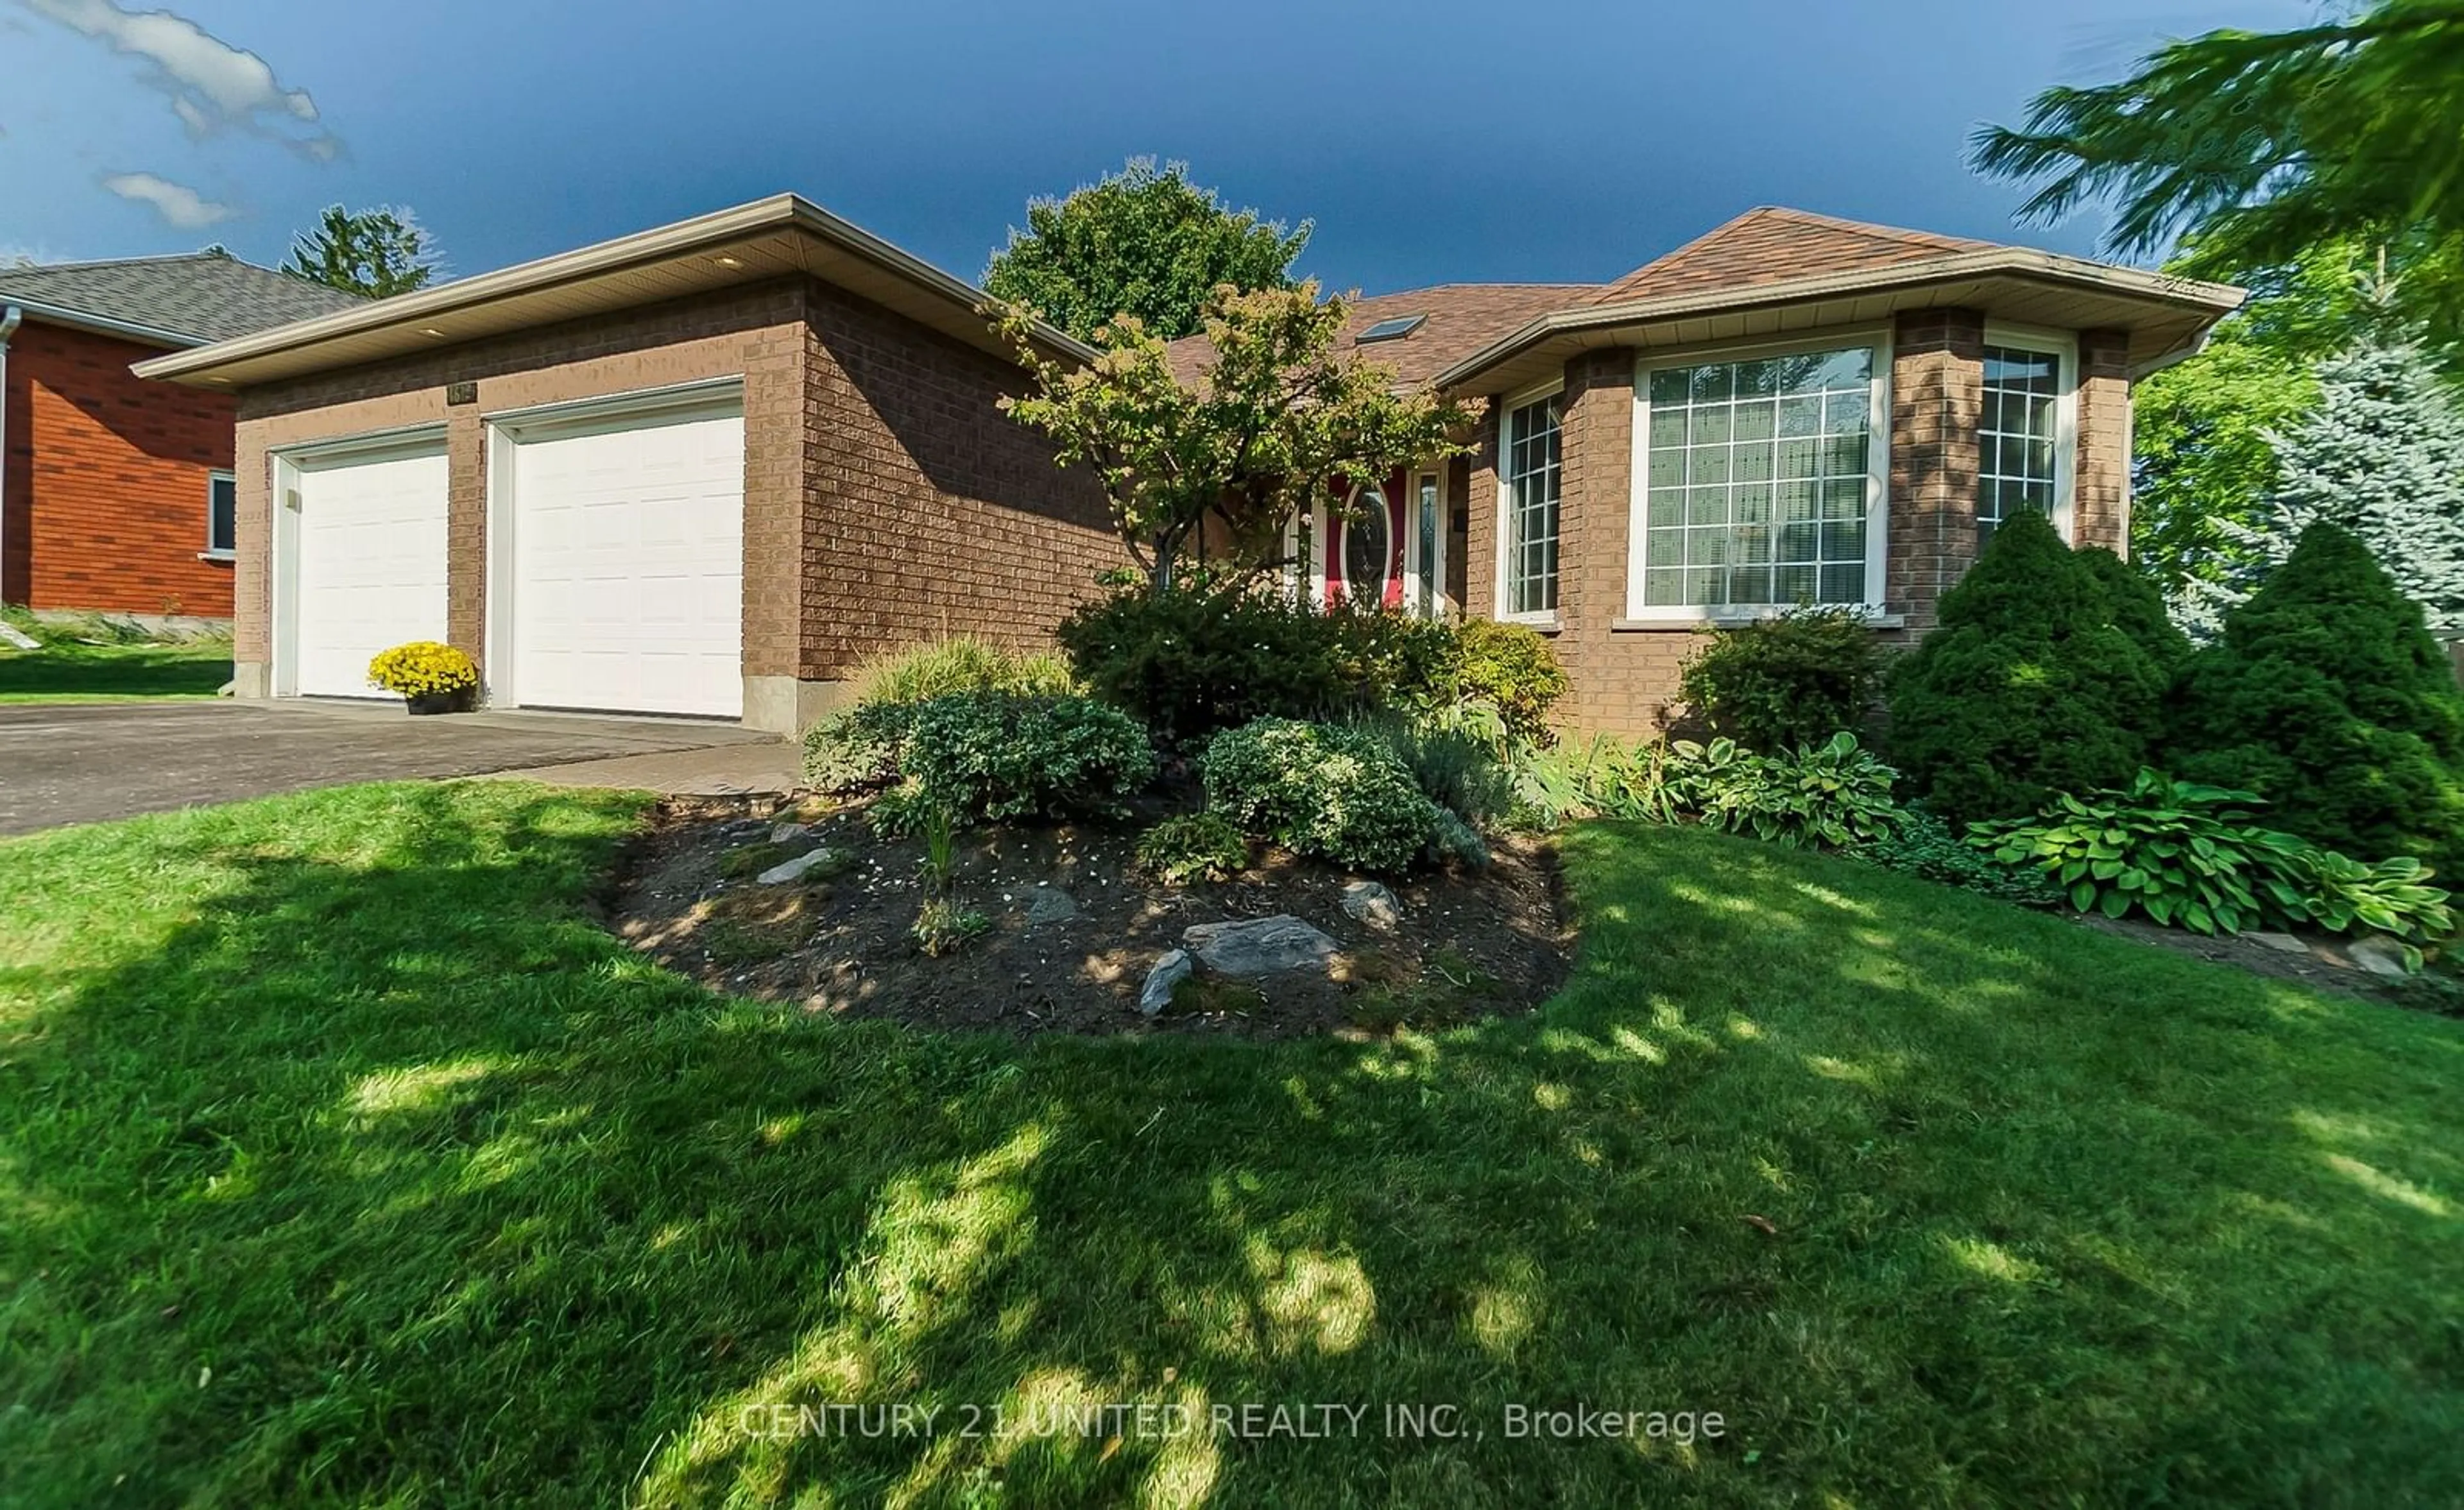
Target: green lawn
[[66, 672], [341, 1159]]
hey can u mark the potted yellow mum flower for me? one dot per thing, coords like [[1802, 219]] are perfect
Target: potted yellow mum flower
[[432, 678]]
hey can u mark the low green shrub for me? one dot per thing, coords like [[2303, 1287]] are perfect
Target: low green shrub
[[1924, 847], [1327, 790], [856, 748], [1193, 660], [1455, 769], [1780, 683], [1511, 669], [1012, 754], [1193, 846], [1603, 777]]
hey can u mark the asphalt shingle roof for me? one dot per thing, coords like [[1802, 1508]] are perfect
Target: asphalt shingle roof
[[1461, 317], [200, 295]]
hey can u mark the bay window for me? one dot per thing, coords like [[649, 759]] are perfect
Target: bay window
[[1759, 482], [2023, 436]]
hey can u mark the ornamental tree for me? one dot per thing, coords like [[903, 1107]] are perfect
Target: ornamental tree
[[1274, 422]]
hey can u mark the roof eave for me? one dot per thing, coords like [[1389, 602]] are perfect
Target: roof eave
[[2219, 299], [100, 325], [644, 248]]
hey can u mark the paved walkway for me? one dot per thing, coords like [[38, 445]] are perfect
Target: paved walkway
[[81, 764]]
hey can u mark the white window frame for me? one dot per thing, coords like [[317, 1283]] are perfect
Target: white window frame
[[214, 552], [1430, 573], [1877, 473], [1547, 618], [2063, 346]]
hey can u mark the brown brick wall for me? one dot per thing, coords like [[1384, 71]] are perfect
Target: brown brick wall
[[886, 500], [930, 512], [1624, 678], [107, 481], [2101, 457]]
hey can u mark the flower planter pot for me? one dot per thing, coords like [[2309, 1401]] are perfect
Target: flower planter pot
[[438, 702]]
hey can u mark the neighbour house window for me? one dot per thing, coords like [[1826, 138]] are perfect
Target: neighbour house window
[[2020, 447], [1532, 460], [1761, 481], [222, 514]]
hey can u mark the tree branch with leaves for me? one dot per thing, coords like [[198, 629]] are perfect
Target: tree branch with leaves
[[1278, 419]]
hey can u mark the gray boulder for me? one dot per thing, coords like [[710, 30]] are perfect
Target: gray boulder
[[1050, 905], [1169, 970], [786, 871], [1371, 902], [1264, 946]]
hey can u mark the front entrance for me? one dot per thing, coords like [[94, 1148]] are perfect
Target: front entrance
[[1386, 545]]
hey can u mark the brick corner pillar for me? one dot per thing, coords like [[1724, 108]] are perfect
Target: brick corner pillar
[[2101, 450], [1937, 402], [466, 532]]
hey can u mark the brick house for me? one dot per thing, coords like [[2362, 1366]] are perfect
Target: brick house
[[1788, 409], [114, 493], [708, 468]]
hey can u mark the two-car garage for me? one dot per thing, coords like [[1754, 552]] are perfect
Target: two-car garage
[[613, 568]]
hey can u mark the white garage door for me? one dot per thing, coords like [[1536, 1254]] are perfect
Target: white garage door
[[627, 563], [370, 561]]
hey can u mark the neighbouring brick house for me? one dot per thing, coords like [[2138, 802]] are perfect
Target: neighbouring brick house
[[708, 468], [1788, 409], [115, 494]]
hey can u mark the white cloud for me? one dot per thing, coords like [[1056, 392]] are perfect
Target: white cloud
[[211, 84], [181, 207]]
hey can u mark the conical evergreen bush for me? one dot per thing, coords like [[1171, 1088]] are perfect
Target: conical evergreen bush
[[2328, 696], [2027, 688]]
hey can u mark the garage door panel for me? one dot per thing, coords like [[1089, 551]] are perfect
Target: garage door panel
[[370, 566], [628, 567]]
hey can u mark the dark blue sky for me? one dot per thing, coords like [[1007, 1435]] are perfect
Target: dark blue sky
[[1430, 141]]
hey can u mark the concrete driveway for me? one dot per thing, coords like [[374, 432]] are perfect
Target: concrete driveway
[[81, 764]]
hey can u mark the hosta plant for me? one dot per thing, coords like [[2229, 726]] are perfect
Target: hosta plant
[[422, 669], [2343, 895], [1829, 796], [2182, 853]]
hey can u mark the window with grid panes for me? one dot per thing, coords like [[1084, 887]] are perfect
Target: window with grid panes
[[1758, 481], [2016, 447], [1532, 460]]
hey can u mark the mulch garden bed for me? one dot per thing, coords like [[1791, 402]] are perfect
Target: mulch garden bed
[[1471, 943]]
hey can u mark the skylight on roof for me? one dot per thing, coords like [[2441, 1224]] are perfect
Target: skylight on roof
[[1396, 329]]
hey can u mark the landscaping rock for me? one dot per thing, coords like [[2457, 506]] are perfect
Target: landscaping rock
[[1050, 905], [2282, 943], [1371, 902], [2379, 954], [779, 875], [1169, 970], [785, 832], [1264, 946]]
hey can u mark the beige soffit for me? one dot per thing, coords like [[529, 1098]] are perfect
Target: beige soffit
[[2010, 282], [774, 237]]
